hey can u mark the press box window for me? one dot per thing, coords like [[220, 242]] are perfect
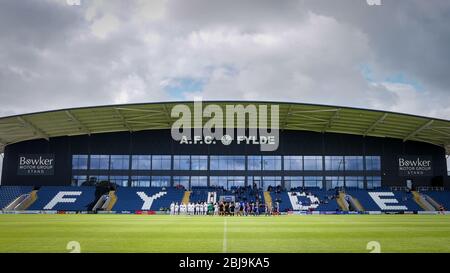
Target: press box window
[[141, 162], [120, 162], [99, 162], [80, 162]]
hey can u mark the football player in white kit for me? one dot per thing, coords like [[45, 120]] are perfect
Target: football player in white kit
[[205, 208], [196, 208], [191, 208], [182, 208], [172, 208], [177, 208], [200, 209]]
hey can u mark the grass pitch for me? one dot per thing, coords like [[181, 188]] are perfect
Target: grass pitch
[[154, 233]]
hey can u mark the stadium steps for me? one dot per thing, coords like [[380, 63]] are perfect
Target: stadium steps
[[432, 202], [112, 200], [343, 204], [105, 202], [267, 198], [22, 202], [186, 197], [356, 204], [422, 202]]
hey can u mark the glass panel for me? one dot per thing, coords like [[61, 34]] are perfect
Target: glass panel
[[141, 162], [199, 181], [312, 163], [373, 182], [181, 162], [227, 182], [313, 181], [120, 162], [271, 181], [181, 181], [254, 181], [119, 180], [98, 178], [160, 181], [228, 163], [79, 162], [336, 181], [199, 162], [354, 181], [161, 162], [254, 162], [334, 163], [99, 162], [293, 163], [293, 181], [272, 162], [373, 163], [140, 181], [354, 163], [78, 180]]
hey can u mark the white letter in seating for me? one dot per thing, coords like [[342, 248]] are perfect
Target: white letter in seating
[[59, 198], [148, 200]]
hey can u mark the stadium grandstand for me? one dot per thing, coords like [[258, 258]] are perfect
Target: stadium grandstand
[[123, 159]]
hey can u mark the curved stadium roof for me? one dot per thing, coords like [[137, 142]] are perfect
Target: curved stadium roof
[[293, 116]]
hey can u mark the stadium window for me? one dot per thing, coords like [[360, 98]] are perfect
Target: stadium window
[[99, 162], [161, 162], [160, 181], [79, 162], [373, 163], [119, 180], [120, 162], [227, 163], [98, 178], [199, 181], [271, 181], [78, 180], [141, 162], [354, 182], [336, 181], [181, 181], [199, 162], [334, 163], [373, 182], [291, 182], [254, 180], [254, 162], [312, 163], [354, 163], [293, 163], [313, 181], [227, 182], [140, 181], [181, 162], [271, 163]]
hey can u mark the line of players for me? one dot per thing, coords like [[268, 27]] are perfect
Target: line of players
[[200, 208], [223, 209]]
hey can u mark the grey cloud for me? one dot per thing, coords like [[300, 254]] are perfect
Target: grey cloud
[[53, 55]]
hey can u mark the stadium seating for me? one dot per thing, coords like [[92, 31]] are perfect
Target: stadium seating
[[10, 193], [441, 197], [137, 198], [404, 200], [200, 194], [64, 198]]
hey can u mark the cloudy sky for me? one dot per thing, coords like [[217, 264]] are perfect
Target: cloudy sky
[[393, 57]]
